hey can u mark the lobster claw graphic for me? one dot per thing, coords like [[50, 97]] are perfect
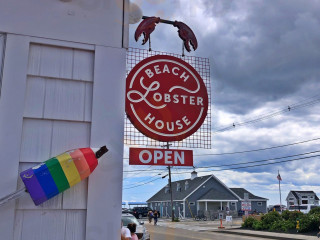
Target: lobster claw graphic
[[146, 27], [187, 35]]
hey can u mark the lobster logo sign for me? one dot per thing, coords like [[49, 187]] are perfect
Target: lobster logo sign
[[166, 99]]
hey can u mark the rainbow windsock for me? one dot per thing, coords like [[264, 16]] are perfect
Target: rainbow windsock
[[59, 173]]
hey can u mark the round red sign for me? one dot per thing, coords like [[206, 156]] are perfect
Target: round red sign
[[166, 98]]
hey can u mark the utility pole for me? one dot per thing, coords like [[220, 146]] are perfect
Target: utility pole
[[170, 187], [279, 178]]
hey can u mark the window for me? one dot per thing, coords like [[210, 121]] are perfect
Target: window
[[304, 201], [178, 187], [259, 203], [233, 203], [311, 197], [192, 203], [186, 186], [304, 197], [291, 199], [167, 189]]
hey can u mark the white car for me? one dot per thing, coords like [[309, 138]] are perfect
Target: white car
[[141, 231]]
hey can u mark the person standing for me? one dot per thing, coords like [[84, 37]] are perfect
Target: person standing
[[125, 233], [132, 227], [150, 216], [155, 217]]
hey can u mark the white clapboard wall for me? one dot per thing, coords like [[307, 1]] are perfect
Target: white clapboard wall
[[2, 44], [56, 96], [56, 118]]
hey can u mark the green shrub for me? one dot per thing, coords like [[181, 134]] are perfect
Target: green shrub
[[257, 225], [273, 221], [314, 210], [249, 222], [309, 222], [286, 225], [291, 215], [269, 218], [276, 226]]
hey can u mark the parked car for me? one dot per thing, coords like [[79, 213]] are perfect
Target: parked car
[[302, 208], [141, 231], [140, 212], [126, 210], [277, 208]]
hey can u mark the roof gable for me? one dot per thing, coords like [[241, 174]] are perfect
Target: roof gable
[[297, 193], [241, 191], [179, 195], [214, 194]]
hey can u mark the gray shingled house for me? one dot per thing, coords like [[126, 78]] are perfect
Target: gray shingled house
[[206, 194], [302, 198]]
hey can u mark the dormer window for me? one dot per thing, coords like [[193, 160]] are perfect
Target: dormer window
[[178, 187], [186, 186]]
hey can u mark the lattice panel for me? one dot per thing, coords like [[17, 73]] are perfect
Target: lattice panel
[[201, 138]]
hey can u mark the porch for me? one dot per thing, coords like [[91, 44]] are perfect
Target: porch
[[212, 209]]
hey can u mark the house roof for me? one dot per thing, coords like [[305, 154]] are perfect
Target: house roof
[[217, 195], [231, 194], [241, 191], [295, 194], [179, 195]]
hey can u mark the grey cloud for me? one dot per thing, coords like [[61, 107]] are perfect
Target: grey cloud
[[269, 48]]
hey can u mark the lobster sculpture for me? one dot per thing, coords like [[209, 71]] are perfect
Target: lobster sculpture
[[187, 35], [148, 25]]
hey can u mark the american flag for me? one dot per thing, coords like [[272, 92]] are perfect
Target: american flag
[[279, 177]]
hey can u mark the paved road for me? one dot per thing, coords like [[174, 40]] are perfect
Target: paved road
[[165, 233]]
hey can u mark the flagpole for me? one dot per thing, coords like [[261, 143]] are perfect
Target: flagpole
[[280, 191]]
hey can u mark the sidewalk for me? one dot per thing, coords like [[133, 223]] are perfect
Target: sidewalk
[[229, 228]]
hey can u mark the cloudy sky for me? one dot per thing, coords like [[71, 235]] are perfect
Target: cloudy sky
[[264, 56]]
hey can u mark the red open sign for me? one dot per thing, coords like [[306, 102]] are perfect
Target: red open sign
[[161, 157]]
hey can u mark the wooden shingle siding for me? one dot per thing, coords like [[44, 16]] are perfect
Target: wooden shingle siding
[[50, 224], [42, 139], [56, 118], [2, 48], [59, 62]]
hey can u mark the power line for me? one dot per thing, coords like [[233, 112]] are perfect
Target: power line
[[270, 115], [257, 165], [254, 150], [265, 160], [143, 183], [157, 175], [241, 163], [250, 166]]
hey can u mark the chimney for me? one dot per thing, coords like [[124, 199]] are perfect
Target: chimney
[[194, 174]]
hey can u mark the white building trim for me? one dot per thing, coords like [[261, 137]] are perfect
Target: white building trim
[[210, 200]]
